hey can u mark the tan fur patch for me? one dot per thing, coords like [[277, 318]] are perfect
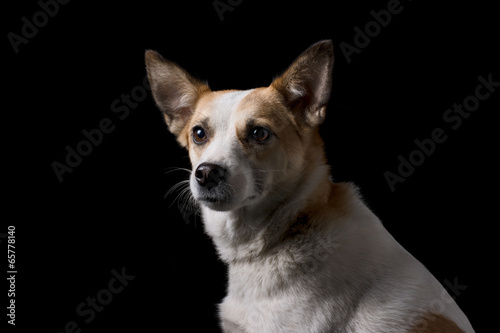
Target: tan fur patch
[[332, 199], [263, 107], [340, 197], [435, 323]]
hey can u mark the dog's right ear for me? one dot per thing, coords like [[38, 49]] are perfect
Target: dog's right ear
[[174, 91]]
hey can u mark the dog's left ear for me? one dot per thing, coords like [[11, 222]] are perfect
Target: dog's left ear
[[306, 84]]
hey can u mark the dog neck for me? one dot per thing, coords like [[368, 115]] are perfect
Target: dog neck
[[246, 233]]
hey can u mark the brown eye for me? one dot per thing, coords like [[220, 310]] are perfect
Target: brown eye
[[260, 134], [199, 135]]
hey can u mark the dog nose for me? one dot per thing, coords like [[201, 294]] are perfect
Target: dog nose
[[209, 175]]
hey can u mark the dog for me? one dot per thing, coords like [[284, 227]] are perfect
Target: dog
[[304, 253]]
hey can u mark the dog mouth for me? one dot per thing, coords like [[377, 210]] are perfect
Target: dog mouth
[[216, 198], [216, 203], [213, 199]]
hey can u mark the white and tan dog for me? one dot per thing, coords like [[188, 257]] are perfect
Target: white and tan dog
[[304, 253]]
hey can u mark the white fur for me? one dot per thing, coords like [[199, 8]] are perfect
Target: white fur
[[223, 146], [352, 277], [357, 279]]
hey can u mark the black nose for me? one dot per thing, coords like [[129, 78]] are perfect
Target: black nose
[[209, 175]]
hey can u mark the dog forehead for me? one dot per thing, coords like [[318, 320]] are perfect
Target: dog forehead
[[221, 106], [261, 103]]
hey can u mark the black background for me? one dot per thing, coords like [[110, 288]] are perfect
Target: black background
[[110, 211]]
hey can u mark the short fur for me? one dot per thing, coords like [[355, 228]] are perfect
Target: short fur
[[304, 254]]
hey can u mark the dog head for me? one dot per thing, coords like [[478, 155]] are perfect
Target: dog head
[[247, 146]]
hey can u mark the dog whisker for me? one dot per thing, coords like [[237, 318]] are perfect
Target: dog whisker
[[179, 196], [182, 183], [172, 169]]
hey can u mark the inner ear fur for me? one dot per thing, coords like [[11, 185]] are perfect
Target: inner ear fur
[[174, 90], [307, 82]]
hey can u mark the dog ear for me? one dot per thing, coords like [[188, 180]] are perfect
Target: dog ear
[[306, 84], [174, 90]]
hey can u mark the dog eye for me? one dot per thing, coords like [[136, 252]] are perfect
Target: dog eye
[[260, 134], [199, 135]]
